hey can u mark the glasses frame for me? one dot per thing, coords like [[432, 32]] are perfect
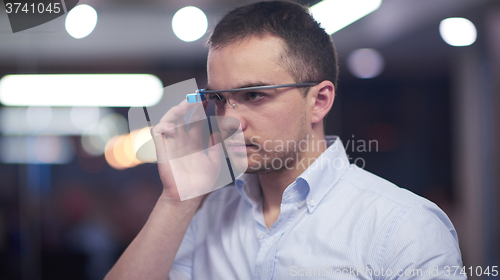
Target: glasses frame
[[204, 95]]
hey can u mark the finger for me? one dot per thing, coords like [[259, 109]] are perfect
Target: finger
[[177, 113], [170, 129], [164, 128]]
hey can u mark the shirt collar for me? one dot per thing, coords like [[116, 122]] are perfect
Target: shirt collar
[[312, 185], [325, 171], [248, 186]]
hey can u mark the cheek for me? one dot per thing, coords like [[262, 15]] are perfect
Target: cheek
[[279, 122], [292, 117], [283, 125]]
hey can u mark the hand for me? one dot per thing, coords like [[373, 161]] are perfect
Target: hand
[[185, 170]]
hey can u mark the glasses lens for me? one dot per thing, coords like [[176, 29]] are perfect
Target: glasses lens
[[244, 98], [217, 100]]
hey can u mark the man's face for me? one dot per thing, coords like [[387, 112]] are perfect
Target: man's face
[[273, 121]]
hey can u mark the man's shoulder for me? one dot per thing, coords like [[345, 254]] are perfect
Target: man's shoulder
[[364, 193], [369, 184], [383, 208]]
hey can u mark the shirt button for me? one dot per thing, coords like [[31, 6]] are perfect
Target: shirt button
[[311, 203], [260, 235]]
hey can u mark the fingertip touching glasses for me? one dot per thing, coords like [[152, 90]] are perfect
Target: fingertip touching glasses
[[207, 95]]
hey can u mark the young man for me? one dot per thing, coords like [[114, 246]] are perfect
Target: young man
[[299, 211]]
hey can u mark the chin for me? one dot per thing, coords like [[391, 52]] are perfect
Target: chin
[[239, 162]]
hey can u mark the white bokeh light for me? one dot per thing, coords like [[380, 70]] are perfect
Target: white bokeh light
[[81, 21], [84, 117], [82, 90], [189, 24], [334, 15], [365, 63], [38, 118], [458, 32], [95, 138]]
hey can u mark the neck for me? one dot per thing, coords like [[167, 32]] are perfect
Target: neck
[[273, 184]]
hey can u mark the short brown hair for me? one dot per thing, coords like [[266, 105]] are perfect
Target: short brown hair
[[309, 54]]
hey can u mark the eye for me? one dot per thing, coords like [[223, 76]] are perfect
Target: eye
[[254, 96]]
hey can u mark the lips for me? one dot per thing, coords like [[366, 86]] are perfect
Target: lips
[[238, 147]]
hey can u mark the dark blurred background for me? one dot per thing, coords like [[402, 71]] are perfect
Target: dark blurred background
[[431, 115]]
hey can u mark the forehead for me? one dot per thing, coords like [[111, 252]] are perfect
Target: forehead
[[249, 61]]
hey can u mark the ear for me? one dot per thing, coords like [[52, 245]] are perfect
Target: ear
[[321, 100]]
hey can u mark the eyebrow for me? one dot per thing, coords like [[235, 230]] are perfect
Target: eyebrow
[[245, 85]]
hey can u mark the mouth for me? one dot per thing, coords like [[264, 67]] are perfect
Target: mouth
[[238, 147]]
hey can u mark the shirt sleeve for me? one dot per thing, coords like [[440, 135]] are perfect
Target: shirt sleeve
[[421, 244], [182, 268]]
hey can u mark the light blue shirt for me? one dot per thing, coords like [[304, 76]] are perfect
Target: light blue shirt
[[337, 221]]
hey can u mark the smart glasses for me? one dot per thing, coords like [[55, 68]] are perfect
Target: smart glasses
[[240, 95]]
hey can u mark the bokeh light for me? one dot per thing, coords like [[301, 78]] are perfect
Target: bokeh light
[[365, 63], [189, 24], [81, 90], [41, 149], [109, 154], [84, 117], [333, 15], [119, 152], [47, 148], [38, 118], [81, 21], [458, 32], [94, 139], [143, 145]]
